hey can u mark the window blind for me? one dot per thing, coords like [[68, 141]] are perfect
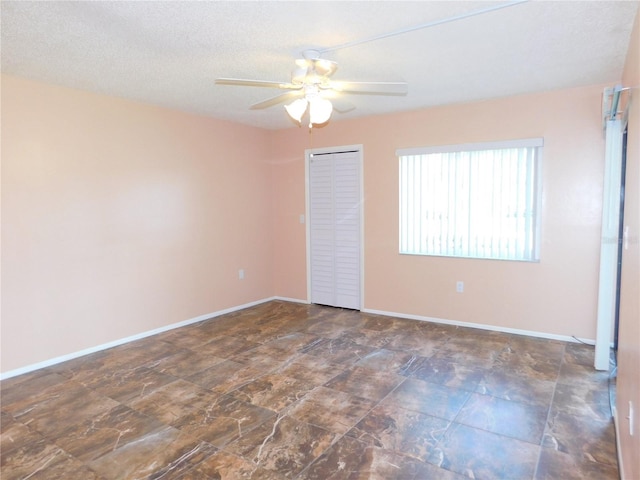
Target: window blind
[[470, 203]]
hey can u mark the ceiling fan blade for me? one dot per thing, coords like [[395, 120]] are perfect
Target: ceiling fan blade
[[283, 97], [257, 83], [371, 88], [342, 105]]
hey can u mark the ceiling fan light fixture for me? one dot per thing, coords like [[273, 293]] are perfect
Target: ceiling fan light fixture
[[314, 91], [297, 108], [319, 110]]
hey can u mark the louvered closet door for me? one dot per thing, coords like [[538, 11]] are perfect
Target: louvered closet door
[[334, 226]]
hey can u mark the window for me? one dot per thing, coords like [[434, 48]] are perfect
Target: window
[[474, 201]]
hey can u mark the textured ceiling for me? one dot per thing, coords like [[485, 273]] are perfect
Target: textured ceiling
[[170, 53]]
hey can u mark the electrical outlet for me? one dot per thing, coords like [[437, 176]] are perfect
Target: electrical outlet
[[630, 418], [460, 286], [241, 274]]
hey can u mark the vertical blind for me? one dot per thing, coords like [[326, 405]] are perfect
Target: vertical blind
[[473, 202]]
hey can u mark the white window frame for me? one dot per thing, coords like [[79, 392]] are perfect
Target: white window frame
[[460, 243]]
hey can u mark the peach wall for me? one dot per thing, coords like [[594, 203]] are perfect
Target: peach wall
[[120, 218], [628, 381], [555, 296], [289, 252]]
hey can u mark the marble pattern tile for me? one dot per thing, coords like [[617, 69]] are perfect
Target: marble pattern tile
[[331, 409], [511, 419], [574, 373], [430, 398], [173, 401], [127, 385], [192, 336], [332, 328], [223, 420], [138, 351], [444, 370], [15, 435], [350, 459], [225, 466], [511, 386], [184, 362], [339, 350], [587, 438], [266, 354], [554, 465], [367, 383], [283, 346], [579, 354], [274, 391], [283, 390], [390, 361], [370, 338], [44, 461], [474, 354], [480, 454], [30, 457], [537, 348], [588, 400], [29, 387], [526, 365], [416, 343], [229, 375], [396, 429], [106, 432], [225, 346], [316, 370], [283, 445], [152, 455], [51, 415]]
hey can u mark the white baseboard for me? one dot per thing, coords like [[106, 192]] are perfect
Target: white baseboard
[[516, 331], [121, 341], [292, 300], [207, 316]]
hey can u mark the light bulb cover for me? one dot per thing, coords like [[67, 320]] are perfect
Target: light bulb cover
[[319, 110], [297, 108]]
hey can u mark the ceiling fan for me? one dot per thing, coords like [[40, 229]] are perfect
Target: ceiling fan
[[311, 88]]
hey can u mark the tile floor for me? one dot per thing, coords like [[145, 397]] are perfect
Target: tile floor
[[284, 390]]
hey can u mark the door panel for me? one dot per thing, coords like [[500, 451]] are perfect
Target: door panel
[[334, 218]]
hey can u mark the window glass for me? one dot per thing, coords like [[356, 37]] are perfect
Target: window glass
[[476, 203]]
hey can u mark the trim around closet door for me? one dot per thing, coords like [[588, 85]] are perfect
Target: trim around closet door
[[358, 149]]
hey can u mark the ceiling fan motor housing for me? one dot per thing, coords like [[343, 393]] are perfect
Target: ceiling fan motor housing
[[313, 70]]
